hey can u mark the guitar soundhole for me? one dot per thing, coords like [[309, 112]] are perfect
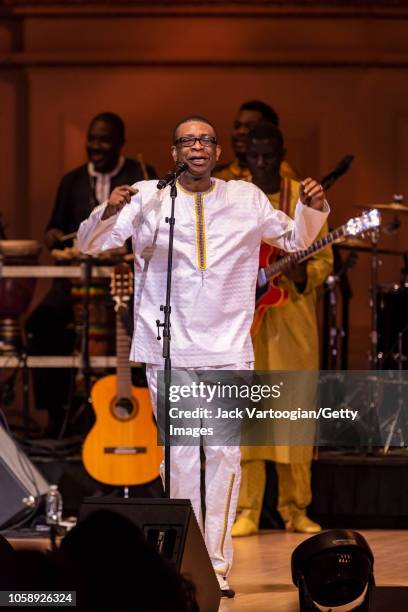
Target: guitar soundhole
[[123, 408]]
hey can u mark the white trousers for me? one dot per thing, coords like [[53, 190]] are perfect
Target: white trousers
[[222, 481]]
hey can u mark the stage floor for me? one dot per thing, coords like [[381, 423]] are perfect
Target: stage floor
[[261, 572]]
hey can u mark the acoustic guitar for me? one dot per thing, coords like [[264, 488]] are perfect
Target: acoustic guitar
[[268, 292], [121, 449]]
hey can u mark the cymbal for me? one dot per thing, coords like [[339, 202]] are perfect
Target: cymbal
[[392, 207], [357, 244]]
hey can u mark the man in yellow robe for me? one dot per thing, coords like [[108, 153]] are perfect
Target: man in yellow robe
[[249, 114], [287, 339]]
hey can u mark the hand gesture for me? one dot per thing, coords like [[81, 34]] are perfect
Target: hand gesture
[[297, 273], [53, 237], [118, 198], [311, 193]]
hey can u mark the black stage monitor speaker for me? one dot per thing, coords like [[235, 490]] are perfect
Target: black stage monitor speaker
[[170, 525], [20, 482]]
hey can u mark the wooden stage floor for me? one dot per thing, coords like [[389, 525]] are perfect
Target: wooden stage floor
[[261, 571]]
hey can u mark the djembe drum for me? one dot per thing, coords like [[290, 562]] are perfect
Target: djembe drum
[[101, 336], [15, 293]]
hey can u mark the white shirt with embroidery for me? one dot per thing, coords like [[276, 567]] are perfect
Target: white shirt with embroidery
[[217, 236]]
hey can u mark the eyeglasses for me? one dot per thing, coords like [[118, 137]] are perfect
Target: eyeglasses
[[189, 141]]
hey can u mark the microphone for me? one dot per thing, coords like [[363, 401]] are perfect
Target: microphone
[[338, 171], [172, 175]]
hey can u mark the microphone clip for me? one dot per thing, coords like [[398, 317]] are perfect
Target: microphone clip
[[171, 176]]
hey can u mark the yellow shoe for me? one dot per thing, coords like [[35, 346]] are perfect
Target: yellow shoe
[[243, 526], [302, 524]]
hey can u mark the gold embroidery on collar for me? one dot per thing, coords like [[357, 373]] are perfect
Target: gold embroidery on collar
[[195, 193], [200, 223]]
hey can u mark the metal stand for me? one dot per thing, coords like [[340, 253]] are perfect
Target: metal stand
[[345, 312], [374, 362], [25, 374], [373, 357], [86, 273], [86, 369], [400, 359], [334, 331], [166, 325]]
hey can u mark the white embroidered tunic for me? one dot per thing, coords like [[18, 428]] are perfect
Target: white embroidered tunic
[[217, 235]]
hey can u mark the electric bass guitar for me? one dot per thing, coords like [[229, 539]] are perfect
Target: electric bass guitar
[[121, 449], [268, 293]]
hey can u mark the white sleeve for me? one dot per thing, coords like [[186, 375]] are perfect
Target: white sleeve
[[285, 233], [95, 235]]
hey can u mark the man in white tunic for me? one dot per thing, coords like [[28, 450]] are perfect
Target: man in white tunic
[[218, 230]]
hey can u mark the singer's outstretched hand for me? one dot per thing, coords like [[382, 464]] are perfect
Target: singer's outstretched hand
[[118, 198], [311, 193]]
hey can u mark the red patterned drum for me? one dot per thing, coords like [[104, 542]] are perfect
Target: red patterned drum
[[101, 316], [15, 293]]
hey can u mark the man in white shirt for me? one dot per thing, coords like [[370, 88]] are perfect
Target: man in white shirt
[[218, 230]]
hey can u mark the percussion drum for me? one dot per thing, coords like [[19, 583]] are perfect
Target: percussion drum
[[101, 315], [15, 293], [392, 310], [101, 334]]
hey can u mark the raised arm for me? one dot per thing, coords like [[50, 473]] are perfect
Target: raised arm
[[294, 235], [112, 223]]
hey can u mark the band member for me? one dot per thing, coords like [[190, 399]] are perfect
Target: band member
[[249, 114], [50, 326], [287, 339], [89, 185], [217, 234]]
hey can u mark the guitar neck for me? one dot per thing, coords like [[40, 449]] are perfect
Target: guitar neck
[[284, 262], [123, 370]]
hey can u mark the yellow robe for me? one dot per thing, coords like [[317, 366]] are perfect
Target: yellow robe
[[288, 336], [235, 172]]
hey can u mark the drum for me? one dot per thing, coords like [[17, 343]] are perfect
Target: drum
[[101, 315], [392, 311], [15, 293]]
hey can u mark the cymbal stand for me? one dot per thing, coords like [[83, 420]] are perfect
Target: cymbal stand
[[337, 281], [400, 360], [374, 362], [334, 331], [373, 355]]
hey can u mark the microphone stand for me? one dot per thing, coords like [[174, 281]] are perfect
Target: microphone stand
[[167, 340]]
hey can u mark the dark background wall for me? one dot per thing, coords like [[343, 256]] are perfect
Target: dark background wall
[[335, 71]]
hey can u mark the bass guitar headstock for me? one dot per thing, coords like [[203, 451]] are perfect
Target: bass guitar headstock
[[368, 221]]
